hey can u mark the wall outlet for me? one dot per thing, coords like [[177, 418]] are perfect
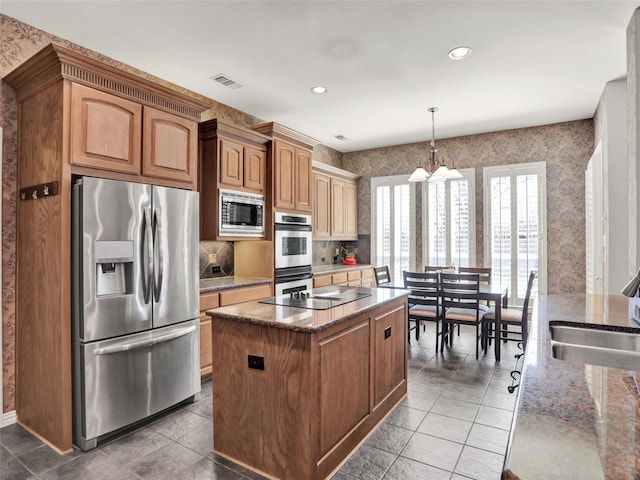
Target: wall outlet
[[256, 362], [322, 259]]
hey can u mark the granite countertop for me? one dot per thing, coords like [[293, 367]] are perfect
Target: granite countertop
[[338, 267], [307, 320], [224, 283], [574, 420]]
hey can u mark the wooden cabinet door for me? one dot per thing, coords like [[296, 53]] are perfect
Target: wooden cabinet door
[[205, 346], [338, 194], [303, 180], [344, 392], [254, 168], [351, 211], [284, 175], [389, 352], [321, 206], [207, 301], [231, 163], [170, 145], [105, 131]]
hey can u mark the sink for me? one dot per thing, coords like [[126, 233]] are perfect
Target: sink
[[604, 345]]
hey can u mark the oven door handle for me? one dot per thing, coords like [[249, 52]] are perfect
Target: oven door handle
[[293, 277], [292, 227]]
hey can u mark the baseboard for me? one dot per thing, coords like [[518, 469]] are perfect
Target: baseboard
[[8, 418]]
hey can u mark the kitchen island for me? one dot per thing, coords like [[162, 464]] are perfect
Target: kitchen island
[[575, 420], [295, 390]]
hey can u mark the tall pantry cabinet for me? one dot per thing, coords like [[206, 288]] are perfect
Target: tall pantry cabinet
[[78, 116]]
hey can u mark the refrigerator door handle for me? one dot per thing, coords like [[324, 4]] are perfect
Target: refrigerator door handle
[[157, 228], [124, 346], [147, 246]]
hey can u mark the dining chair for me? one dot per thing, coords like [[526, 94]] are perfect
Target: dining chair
[[511, 316], [460, 294], [424, 301], [485, 279], [484, 272], [381, 274]]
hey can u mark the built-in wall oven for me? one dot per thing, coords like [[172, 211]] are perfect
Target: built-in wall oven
[[292, 253]]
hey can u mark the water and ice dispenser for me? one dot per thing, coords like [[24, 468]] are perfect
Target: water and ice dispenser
[[114, 267]]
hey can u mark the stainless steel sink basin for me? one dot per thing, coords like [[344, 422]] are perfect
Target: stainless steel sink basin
[[604, 345]]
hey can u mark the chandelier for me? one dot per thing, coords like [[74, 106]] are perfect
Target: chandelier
[[434, 169]]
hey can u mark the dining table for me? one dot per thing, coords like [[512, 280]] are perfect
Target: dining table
[[497, 294]]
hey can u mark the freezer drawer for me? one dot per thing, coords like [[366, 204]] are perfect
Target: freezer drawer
[[123, 380]]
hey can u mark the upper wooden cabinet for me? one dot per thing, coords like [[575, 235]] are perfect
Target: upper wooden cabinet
[[291, 155], [230, 157], [169, 146], [106, 131], [321, 206], [114, 134], [335, 203]]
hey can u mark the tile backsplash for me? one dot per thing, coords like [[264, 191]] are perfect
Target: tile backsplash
[[216, 259], [324, 252]]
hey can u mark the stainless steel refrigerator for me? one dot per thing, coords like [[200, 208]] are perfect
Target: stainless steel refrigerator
[[135, 305]]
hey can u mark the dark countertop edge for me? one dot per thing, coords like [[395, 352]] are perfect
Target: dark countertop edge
[[308, 329], [326, 269], [227, 283]]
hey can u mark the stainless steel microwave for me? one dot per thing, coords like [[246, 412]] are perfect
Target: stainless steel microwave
[[241, 214]]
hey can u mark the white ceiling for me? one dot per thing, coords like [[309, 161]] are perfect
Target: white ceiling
[[383, 62]]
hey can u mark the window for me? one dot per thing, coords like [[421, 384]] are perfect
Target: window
[[515, 225], [392, 224], [449, 222]]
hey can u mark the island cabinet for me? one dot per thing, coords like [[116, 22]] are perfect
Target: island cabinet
[[78, 116], [290, 171], [293, 403], [232, 158], [335, 203]]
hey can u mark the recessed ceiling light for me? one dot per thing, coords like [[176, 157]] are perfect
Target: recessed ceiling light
[[459, 53], [319, 89]]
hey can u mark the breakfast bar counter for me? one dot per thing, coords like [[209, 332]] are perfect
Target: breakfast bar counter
[[296, 389], [574, 419]]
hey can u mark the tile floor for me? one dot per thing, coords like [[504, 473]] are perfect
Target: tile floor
[[454, 424]]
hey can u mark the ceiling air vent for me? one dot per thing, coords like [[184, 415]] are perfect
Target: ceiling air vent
[[341, 137], [226, 81]]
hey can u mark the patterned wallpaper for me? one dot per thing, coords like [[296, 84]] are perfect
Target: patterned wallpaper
[[566, 148]]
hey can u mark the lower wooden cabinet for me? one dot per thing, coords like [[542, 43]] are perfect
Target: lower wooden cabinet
[[352, 278], [223, 298], [207, 302]]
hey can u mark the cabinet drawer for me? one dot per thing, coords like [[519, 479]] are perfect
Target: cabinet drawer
[[321, 281], [209, 300], [245, 294], [354, 283], [367, 273], [354, 275], [339, 277]]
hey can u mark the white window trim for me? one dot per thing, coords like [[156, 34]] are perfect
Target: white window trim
[[392, 181], [470, 175], [539, 169]]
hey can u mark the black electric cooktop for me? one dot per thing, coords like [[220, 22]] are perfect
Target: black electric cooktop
[[315, 301]]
